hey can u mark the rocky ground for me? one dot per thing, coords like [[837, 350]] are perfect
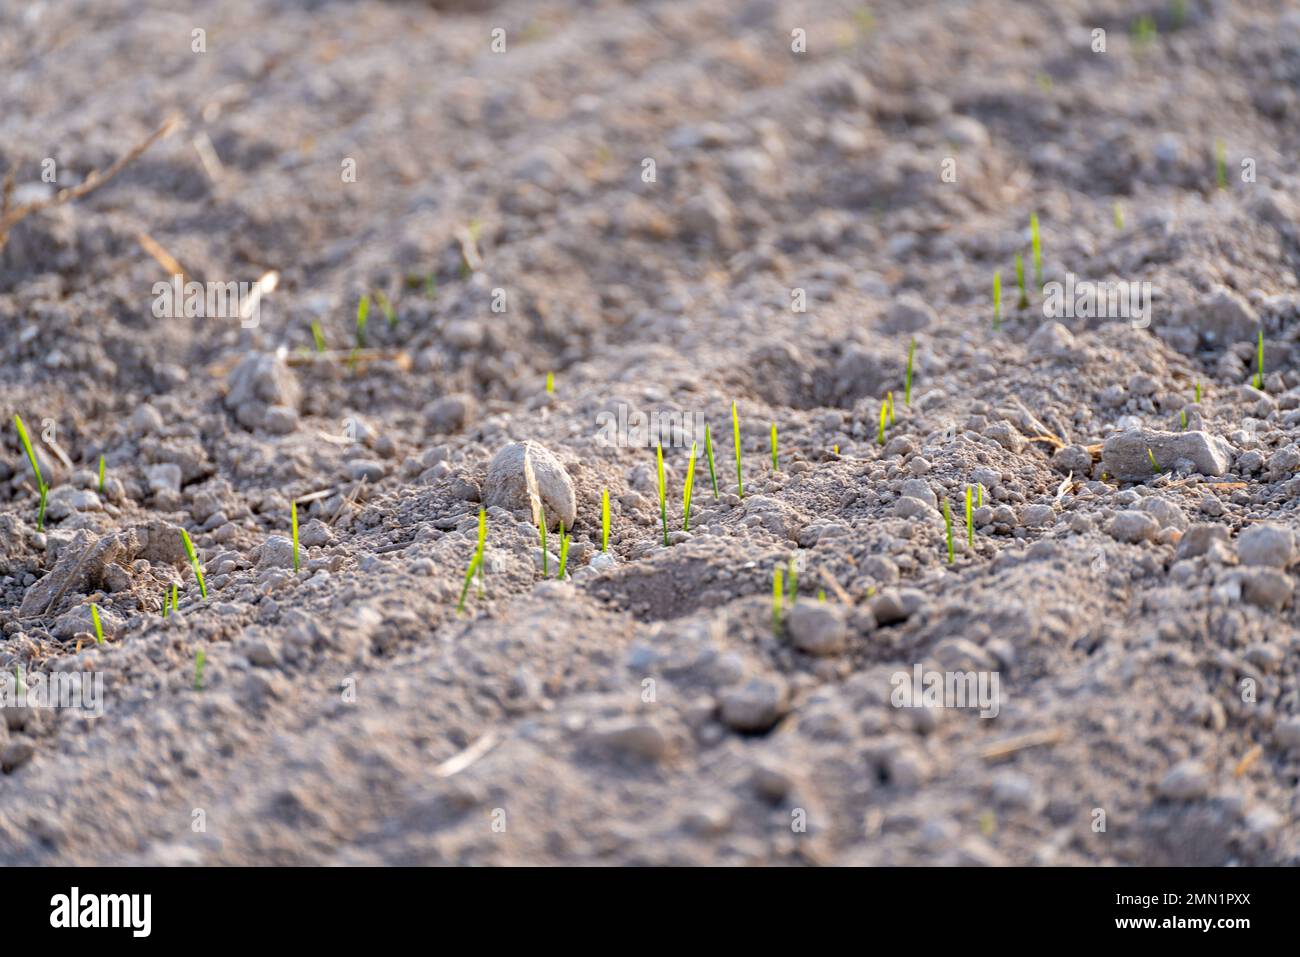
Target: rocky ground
[[1130, 578]]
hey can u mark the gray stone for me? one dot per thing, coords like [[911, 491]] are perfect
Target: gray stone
[[1222, 317], [755, 706], [909, 313], [1198, 538], [1132, 527], [1125, 455], [1186, 781], [525, 476], [817, 628], [1270, 545]]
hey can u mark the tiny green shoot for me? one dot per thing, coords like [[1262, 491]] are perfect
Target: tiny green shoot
[[200, 659], [774, 462], [907, 381], [884, 415], [1036, 242], [1220, 164], [778, 589], [686, 491], [1119, 216], [735, 439], [604, 520], [1154, 466], [1198, 391], [1144, 32], [318, 336], [99, 628], [708, 454], [363, 315], [1182, 418], [1259, 362], [792, 581], [1020, 281], [387, 307], [947, 524], [101, 475], [476, 562], [194, 561], [889, 398], [970, 521], [663, 501], [997, 299], [821, 595], [541, 531], [294, 519], [564, 552], [41, 487], [550, 383]]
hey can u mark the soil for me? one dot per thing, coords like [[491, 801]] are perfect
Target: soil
[[653, 707]]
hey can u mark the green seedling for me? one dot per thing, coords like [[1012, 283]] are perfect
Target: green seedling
[[1220, 164], [476, 562], [735, 439], [821, 595], [550, 383], [947, 524], [907, 381], [1045, 82], [200, 659], [884, 415], [541, 530], [1198, 391], [41, 487], [564, 552], [294, 519], [1020, 281], [194, 561], [1259, 362], [889, 400], [604, 520], [431, 286], [176, 596], [19, 685], [774, 463], [708, 454], [663, 499], [387, 308], [778, 590], [970, 521], [1182, 418], [1178, 12], [1119, 216], [99, 628], [686, 491], [997, 299], [101, 475], [792, 581], [363, 315], [318, 336], [1036, 243], [1144, 32], [1154, 466]]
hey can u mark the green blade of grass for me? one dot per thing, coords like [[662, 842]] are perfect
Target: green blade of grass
[[884, 413], [363, 315], [907, 382], [774, 462], [1037, 244], [550, 383], [200, 659], [1198, 391], [604, 520], [997, 299], [541, 529], [294, 519], [889, 398], [1220, 164], [970, 524], [735, 438], [318, 336], [194, 561], [686, 491], [564, 552], [947, 524], [481, 548], [1154, 465], [663, 500], [1119, 216], [1259, 366], [778, 589], [101, 475], [708, 454], [390, 314], [99, 628], [1020, 281], [41, 487]]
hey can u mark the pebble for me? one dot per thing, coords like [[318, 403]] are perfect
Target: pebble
[[1269, 545], [1132, 527], [755, 706], [817, 628], [525, 476], [1186, 781]]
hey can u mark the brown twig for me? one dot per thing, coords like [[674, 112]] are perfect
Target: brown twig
[[11, 217]]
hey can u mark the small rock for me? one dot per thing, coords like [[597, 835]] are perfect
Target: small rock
[[1198, 539], [755, 706], [1187, 781], [1127, 455], [909, 313], [1132, 527], [525, 476], [1269, 545], [817, 628]]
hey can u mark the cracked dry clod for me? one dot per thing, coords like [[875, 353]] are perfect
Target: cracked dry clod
[[79, 570], [525, 476]]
